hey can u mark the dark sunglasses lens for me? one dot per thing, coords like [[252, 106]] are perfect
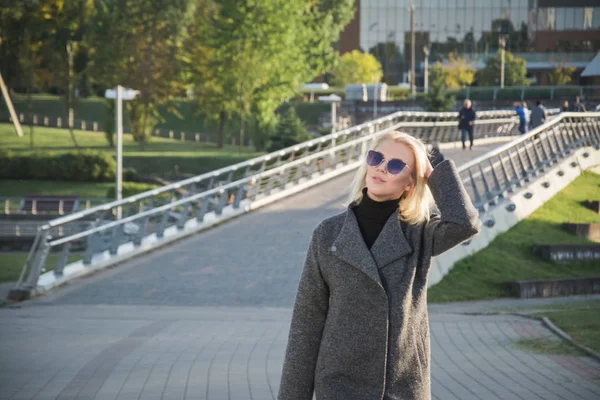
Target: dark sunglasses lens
[[374, 158], [394, 167]]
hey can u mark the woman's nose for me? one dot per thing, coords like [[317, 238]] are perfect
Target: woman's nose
[[382, 167]]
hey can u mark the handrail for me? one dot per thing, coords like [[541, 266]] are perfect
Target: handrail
[[265, 185], [525, 137], [264, 158]]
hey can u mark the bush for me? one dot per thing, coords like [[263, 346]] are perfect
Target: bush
[[290, 131], [130, 189], [84, 166]]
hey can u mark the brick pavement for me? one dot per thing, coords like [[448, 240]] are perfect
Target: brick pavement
[[208, 317], [152, 352]]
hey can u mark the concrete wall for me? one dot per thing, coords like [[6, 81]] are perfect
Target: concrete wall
[[504, 219]]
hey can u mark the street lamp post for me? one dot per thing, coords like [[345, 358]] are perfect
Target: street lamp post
[[375, 99], [426, 50], [413, 83], [502, 41], [119, 94]]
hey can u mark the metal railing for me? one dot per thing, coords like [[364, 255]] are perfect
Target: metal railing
[[155, 216], [490, 178], [14, 205]]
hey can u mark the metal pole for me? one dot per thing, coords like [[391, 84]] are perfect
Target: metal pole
[[333, 115], [375, 101], [70, 94], [502, 46], [413, 86], [426, 69], [119, 132]]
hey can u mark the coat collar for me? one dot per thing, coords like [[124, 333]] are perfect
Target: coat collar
[[390, 245]]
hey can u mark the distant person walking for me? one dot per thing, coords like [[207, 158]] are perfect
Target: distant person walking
[[538, 115], [565, 106], [466, 122], [578, 105], [522, 118]]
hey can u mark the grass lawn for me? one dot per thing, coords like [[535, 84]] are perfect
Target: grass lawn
[[17, 188], [11, 264], [582, 324], [160, 156], [509, 256], [96, 109], [580, 320]]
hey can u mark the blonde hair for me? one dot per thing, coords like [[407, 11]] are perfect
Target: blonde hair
[[415, 205]]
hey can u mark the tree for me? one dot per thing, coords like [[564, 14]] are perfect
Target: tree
[[323, 22], [458, 73], [562, 75], [254, 59], [289, 131], [356, 67], [515, 71], [137, 44], [34, 36], [436, 99]]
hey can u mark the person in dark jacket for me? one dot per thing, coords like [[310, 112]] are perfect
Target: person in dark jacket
[[538, 115], [565, 106], [466, 122], [578, 105], [359, 328]]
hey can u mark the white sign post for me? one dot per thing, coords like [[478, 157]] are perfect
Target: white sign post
[[119, 94]]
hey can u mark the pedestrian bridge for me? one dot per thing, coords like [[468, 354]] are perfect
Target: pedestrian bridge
[[112, 233], [197, 313]]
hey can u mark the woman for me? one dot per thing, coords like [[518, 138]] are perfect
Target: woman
[[359, 328]]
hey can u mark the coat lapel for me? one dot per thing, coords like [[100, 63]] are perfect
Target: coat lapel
[[391, 244], [350, 247]]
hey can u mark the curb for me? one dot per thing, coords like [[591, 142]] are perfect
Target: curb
[[548, 324], [568, 338]]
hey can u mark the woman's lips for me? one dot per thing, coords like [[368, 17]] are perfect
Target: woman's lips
[[377, 179]]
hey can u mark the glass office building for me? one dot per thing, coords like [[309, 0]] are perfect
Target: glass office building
[[544, 32]]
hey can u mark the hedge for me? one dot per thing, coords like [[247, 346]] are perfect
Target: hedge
[[132, 188], [84, 166]]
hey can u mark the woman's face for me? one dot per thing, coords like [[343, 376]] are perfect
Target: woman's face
[[381, 185]]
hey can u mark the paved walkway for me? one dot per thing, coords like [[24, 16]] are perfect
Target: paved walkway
[[208, 318], [148, 352]]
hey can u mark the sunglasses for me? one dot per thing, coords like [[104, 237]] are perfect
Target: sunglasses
[[394, 166]]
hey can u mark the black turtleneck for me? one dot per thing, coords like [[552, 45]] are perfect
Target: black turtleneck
[[372, 216]]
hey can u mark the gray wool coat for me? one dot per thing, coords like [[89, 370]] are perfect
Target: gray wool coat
[[359, 328]]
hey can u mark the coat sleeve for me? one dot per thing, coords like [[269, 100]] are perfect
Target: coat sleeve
[[459, 220], [308, 319]]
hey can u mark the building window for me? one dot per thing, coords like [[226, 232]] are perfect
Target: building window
[[547, 19], [587, 17], [596, 18]]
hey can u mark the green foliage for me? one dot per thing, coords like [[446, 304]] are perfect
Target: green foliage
[[137, 45], [143, 117], [323, 22], [437, 99], [130, 189], [289, 131], [253, 59], [109, 123], [458, 73], [515, 71], [356, 67], [562, 75], [73, 166]]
